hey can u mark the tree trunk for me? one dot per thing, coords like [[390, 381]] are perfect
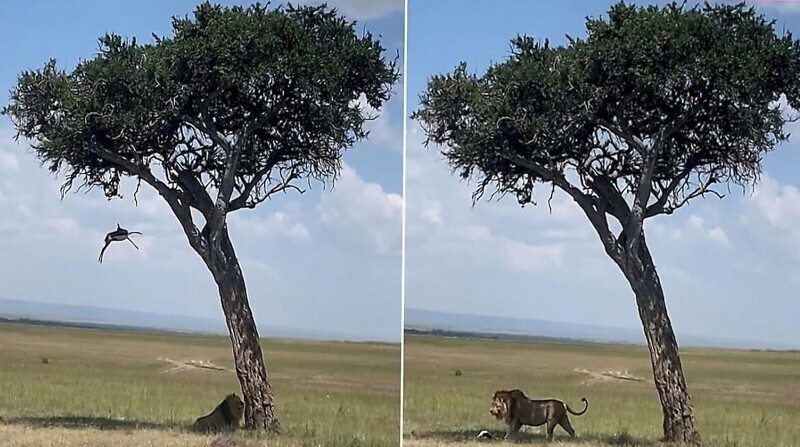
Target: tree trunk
[[679, 423], [249, 362]]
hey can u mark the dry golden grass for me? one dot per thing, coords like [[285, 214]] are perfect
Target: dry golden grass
[[24, 436], [741, 398], [120, 389], [442, 443]]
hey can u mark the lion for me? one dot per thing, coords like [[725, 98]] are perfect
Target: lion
[[226, 416], [516, 410]]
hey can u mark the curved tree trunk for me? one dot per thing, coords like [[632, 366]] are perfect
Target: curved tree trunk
[[249, 362], [679, 423]]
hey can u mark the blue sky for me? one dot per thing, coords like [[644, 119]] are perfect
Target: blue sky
[[327, 261], [729, 268]]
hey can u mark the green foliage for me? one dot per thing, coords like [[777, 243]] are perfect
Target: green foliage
[[691, 90], [269, 94]]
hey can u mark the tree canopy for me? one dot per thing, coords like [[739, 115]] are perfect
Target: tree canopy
[[240, 103], [655, 105]]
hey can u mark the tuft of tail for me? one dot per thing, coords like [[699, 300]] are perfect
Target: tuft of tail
[[585, 407]]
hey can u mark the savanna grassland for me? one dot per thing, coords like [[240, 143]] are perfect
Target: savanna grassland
[[81, 387], [741, 398]]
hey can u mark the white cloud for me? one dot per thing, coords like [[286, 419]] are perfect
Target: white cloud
[[62, 225], [295, 230], [24, 211], [431, 212], [475, 233], [718, 235], [772, 213], [522, 257], [778, 204], [695, 229], [481, 247], [152, 205], [711, 232], [262, 268], [678, 275], [434, 192], [364, 212], [280, 224], [784, 6], [8, 161], [444, 226], [364, 9]]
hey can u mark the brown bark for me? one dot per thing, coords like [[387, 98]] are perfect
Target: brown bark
[[679, 422], [260, 411]]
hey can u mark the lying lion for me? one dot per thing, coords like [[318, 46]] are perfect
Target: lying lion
[[517, 410], [226, 416]]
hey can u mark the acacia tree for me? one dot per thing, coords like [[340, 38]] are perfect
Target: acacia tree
[[655, 107], [237, 105]]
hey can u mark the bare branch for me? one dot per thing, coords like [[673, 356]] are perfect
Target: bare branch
[[633, 227], [691, 163], [245, 201], [242, 200], [666, 193], [231, 166], [136, 192], [701, 190], [590, 207]]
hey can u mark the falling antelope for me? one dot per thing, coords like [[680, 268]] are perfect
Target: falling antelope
[[118, 235]]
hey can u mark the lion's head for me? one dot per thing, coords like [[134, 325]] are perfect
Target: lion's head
[[227, 415], [499, 408], [235, 407], [503, 402]]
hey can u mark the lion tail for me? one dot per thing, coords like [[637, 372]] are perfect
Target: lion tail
[[585, 407]]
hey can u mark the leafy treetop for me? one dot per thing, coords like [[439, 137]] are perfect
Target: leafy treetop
[[655, 105], [239, 103]]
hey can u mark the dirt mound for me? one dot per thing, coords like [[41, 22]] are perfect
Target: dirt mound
[[185, 365], [608, 376], [224, 441]]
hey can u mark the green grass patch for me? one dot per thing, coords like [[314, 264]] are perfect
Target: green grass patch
[[102, 382], [741, 398]]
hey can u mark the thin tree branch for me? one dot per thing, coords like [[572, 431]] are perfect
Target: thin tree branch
[[590, 207], [231, 167], [633, 227], [663, 199]]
